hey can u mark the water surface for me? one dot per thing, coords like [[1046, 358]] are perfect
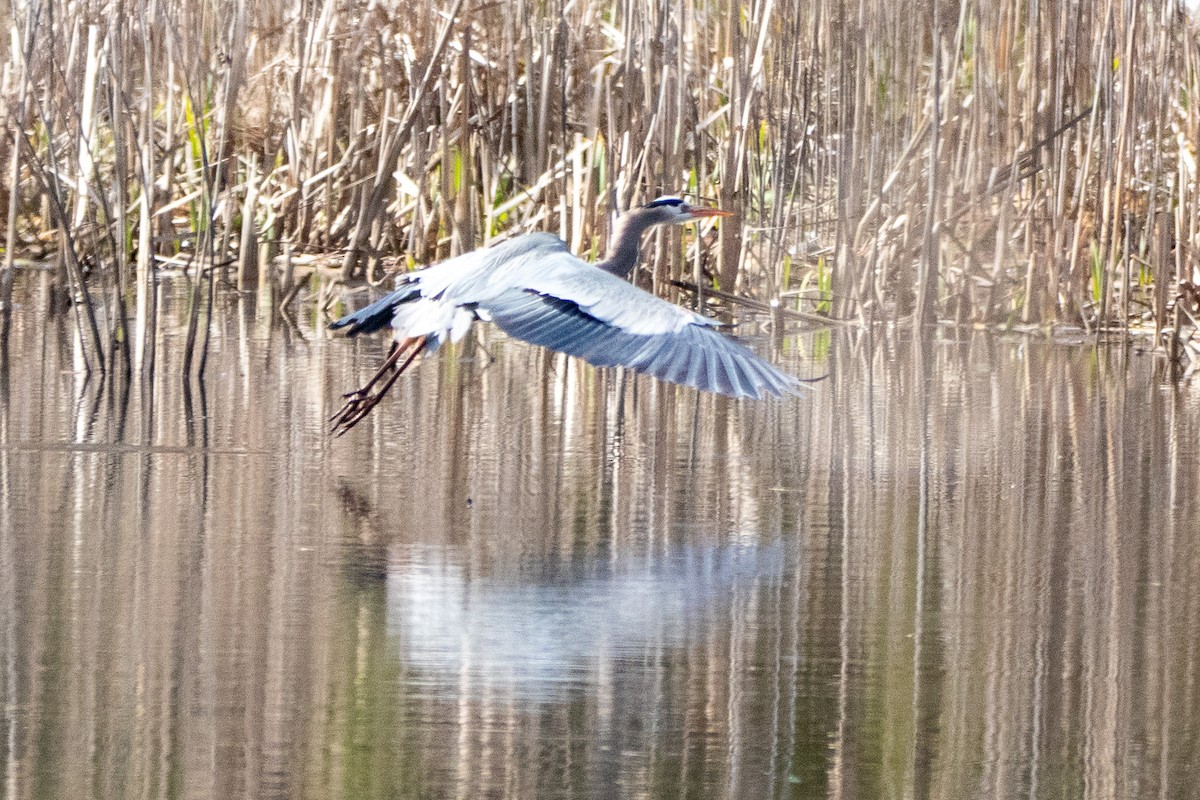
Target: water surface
[[961, 567]]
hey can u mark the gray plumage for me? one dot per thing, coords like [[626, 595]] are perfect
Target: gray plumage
[[534, 289]]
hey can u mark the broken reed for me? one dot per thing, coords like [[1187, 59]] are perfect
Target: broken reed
[[981, 162]]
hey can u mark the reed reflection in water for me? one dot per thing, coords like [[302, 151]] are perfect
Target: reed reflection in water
[[959, 568]]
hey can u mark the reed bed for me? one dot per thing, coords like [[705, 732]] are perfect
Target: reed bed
[[1012, 163]]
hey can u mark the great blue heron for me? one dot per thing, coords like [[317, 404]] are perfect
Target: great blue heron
[[533, 288]]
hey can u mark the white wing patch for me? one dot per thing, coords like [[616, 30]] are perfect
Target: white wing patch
[[461, 324], [433, 319]]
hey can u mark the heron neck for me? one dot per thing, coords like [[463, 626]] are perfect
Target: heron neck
[[626, 243]]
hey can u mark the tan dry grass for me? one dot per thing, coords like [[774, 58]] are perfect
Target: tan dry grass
[[982, 162]]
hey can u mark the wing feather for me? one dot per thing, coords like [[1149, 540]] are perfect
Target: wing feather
[[698, 373], [695, 355]]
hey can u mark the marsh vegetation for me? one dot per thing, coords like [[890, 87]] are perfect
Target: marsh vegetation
[[1000, 163]]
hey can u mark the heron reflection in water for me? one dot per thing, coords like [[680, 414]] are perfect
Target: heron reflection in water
[[535, 289]]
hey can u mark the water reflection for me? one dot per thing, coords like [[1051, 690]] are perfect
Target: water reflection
[[540, 638], [959, 569]]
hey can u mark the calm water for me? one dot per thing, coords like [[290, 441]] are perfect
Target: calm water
[[961, 568]]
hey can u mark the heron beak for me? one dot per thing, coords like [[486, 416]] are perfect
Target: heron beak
[[710, 212]]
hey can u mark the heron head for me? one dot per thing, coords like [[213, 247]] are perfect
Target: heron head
[[674, 210]]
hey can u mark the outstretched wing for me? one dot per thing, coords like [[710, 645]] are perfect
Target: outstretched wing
[[692, 353]]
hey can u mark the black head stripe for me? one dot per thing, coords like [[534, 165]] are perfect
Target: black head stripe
[[665, 201]]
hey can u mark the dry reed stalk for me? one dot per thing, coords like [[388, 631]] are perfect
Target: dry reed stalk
[[247, 263], [118, 233]]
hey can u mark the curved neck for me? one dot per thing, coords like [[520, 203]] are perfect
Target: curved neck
[[626, 241]]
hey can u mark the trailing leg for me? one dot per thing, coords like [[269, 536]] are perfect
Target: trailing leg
[[360, 402]]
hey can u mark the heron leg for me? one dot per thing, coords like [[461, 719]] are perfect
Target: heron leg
[[360, 402], [394, 352], [482, 345]]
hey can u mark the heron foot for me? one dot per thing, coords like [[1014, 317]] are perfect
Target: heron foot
[[358, 404]]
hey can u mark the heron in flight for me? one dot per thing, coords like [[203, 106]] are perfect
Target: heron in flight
[[535, 289]]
